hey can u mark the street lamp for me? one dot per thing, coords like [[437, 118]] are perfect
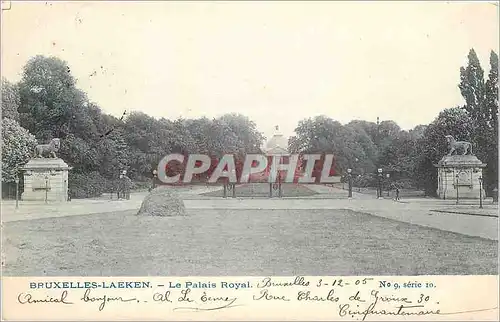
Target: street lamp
[[120, 185], [155, 174], [350, 182], [17, 190], [233, 184], [280, 190], [480, 192], [388, 175], [46, 188], [357, 167], [379, 193]]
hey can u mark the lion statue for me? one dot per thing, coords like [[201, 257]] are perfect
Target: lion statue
[[47, 149], [466, 147]]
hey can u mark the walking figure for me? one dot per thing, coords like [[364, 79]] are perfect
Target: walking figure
[[124, 186], [397, 193], [127, 185], [120, 187]]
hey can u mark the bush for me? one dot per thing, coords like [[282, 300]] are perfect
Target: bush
[[405, 184], [366, 180], [141, 185], [162, 201], [87, 185], [17, 145], [9, 190]]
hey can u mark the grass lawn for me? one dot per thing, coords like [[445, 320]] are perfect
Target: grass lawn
[[262, 190], [239, 242]]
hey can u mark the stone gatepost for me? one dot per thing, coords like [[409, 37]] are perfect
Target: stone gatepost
[[462, 173], [46, 178]]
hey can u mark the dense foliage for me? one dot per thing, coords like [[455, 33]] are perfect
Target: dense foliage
[[46, 103], [17, 146], [409, 156]]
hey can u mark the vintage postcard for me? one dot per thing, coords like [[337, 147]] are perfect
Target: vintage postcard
[[249, 160]]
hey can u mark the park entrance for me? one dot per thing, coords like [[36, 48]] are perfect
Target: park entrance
[[262, 190]]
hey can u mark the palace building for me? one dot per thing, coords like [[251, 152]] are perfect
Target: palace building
[[276, 147]]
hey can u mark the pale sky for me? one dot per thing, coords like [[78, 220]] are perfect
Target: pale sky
[[275, 62]]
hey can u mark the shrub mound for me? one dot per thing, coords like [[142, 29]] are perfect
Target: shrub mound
[[87, 185], [163, 201]]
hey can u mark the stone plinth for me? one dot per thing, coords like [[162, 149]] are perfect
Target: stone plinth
[[45, 178], [468, 168]]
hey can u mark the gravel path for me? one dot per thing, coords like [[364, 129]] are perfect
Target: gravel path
[[239, 242]]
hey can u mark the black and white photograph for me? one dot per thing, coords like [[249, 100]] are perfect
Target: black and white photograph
[[245, 138]]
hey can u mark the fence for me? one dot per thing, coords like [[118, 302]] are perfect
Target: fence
[[9, 190]]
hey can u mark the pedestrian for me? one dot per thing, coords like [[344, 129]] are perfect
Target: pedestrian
[[119, 187], [495, 195], [397, 193], [127, 186]]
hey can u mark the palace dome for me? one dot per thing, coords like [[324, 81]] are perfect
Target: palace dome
[[277, 143]]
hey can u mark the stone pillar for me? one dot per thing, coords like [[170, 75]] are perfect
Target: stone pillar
[[468, 168], [46, 178], [279, 157]]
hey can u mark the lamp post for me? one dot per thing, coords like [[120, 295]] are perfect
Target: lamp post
[[272, 184], [379, 193], [17, 190], [456, 187], [155, 174], [349, 175], [388, 175], [480, 192], [46, 188], [119, 187], [233, 185], [280, 191], [378, 130]]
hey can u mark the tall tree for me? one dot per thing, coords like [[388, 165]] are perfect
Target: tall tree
[[49, 97], [489, 136], [114, 154], [399, 158], [10, 100], [433, 146], [249, 138], [321, 134], [472, 86], [17, 146], [417, 132], [366, 162], [491, 95], [481, 103]]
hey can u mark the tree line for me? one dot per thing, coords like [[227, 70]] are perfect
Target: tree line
[[46, 104], [409, 156]]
